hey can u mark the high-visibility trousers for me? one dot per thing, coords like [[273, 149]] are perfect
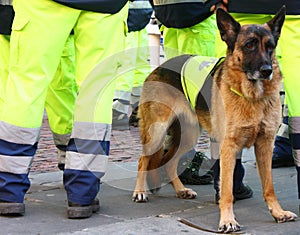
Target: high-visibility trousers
[[39, 32]]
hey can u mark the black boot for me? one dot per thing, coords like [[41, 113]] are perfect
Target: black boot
[[216, 172], [240, 190], [77, 211], [191, 174]]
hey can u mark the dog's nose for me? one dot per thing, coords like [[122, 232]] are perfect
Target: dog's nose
[[265, 71]]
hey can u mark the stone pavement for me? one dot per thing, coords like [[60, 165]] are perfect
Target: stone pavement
[[46, 200]]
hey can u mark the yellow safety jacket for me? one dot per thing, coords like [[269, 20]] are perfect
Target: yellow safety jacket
[[194, 73]]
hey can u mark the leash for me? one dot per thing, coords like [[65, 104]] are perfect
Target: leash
[[188, 223]]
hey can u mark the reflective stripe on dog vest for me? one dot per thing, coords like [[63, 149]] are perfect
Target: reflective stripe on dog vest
[[193, 75]]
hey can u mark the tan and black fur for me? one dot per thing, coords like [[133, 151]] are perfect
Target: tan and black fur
[[245, 111]]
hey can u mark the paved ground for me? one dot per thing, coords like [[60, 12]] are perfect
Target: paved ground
[[46, 200]]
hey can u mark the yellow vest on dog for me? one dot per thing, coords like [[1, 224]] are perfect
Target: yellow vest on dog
[[194, 73]]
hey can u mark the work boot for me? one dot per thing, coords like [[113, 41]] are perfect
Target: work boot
[[282, 161], [191, 174], [12, 208], [240, 190], [77, 211], [243, 192]]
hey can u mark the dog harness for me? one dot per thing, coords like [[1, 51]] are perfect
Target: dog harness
[[195, 71]]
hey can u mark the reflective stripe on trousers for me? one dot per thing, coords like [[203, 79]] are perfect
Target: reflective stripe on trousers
[[282, 146], [294, 126], [18, 145]]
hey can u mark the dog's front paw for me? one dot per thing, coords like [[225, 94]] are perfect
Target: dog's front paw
[[285, 216], [186, 193], [229, 226], [140, 197]]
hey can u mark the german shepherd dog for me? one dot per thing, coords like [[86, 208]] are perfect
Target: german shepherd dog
[[245, 111]]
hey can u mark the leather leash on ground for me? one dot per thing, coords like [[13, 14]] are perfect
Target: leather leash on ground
[[188, 223]]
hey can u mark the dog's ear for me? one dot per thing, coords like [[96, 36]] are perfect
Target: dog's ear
[[276, 23], [228, 27]]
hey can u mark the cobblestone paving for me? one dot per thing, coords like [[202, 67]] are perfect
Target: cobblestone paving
[[125, 146], [45, 159]]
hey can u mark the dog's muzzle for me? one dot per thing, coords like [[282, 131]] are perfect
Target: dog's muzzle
[[265, 73]]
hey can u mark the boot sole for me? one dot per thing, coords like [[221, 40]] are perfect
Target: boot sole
[[82, 212], [79, 212], [12, 208]]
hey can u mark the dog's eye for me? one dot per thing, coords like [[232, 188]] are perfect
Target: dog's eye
[[251, 45], [270, 47]]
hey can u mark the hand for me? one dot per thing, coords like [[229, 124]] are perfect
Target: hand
[[222, 5]]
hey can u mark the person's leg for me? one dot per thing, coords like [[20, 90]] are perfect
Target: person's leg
[[143, 67], [6, 19], [198, 39], [32, 66], [141, 72], [121, 104], [170, 42], [282, 152], [18, 206], [240, 190], [4, 58], [96, 69], [60, 100], [290, 38]]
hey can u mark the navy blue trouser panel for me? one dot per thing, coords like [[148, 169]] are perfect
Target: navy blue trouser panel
[[13, 187], [81, 186]]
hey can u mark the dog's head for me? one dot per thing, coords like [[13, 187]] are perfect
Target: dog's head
[[253, 46]]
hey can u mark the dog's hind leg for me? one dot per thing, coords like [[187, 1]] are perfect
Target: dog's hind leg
[[148, 171], [139, 194], [153, 133], [263, 152]]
